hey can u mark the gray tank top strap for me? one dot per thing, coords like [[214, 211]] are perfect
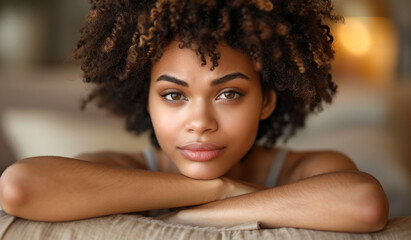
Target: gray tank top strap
[[151, 159], [276, 167], [152, 165]]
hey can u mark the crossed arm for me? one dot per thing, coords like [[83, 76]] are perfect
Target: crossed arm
[[323, 191]]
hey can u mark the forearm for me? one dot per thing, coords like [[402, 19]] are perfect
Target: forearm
[[344, 201], [59, 189]]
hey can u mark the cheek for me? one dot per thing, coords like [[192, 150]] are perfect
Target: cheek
[[242, 123], [166, 124]]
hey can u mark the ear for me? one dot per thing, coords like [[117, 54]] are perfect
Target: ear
[[269, 103]]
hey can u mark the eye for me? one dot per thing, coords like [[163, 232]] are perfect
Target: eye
[[229, 95], [173, 96]]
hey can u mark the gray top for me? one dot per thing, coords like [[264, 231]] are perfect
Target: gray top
[[271, 181], [151, 160], [275, 168]]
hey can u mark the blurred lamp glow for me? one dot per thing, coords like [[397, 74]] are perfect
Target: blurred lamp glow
[[354, 36]]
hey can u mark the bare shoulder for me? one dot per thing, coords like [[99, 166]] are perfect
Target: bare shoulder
[[115, 158], [304, 164]]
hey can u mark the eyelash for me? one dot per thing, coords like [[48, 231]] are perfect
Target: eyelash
[[166, 94], [237, 94]]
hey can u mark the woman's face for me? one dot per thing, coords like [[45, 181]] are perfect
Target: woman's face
[[206, 121]]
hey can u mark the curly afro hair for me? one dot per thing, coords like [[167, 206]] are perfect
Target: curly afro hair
[[287, 41]]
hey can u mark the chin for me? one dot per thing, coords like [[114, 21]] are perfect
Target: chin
[[202, 175]]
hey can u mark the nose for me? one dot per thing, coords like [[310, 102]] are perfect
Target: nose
[[201, 118]]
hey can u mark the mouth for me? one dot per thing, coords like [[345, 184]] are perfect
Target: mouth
[[200, 151]]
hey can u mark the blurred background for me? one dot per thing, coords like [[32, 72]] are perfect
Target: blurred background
[[370, 119]]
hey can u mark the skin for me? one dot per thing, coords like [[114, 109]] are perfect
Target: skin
[[226, 114], [320, 190]]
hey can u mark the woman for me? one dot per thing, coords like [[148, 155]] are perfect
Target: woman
[[217, 83]]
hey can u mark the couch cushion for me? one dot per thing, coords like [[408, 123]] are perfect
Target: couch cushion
[[130, 226]]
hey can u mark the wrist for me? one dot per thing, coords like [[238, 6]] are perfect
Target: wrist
[[232, 188], [221, 188], [226, 188], [205, 191]]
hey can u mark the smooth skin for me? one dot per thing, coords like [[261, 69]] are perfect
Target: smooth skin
[[189, 103]]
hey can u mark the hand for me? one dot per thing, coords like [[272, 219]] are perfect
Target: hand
[[234, 188], [204, 215], [175, 217], [194, 216]]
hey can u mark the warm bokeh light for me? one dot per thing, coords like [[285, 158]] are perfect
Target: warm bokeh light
[[354, 36], [366, 50]]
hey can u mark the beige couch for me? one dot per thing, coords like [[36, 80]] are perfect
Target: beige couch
[[138, 227]]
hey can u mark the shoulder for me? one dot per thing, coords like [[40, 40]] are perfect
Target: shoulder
[[304, 164], [115, 158]]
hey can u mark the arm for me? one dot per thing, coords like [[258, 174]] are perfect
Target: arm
[[60, 189], [323, 191]]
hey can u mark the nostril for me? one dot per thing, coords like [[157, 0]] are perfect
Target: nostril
[[201, 119], [202, 127]]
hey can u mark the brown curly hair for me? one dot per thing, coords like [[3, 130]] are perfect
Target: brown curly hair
[[287, 40]]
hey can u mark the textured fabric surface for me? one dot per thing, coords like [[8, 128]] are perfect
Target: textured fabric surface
[[138, 227]]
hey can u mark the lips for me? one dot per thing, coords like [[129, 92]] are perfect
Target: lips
[[200, 151]]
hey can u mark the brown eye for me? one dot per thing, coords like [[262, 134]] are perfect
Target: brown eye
[[174, 96], [229, 95]]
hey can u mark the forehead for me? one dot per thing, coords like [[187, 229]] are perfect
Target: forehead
[[185, 62]]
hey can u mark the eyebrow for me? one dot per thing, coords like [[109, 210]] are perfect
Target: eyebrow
[[221, 80], [172, 79]]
